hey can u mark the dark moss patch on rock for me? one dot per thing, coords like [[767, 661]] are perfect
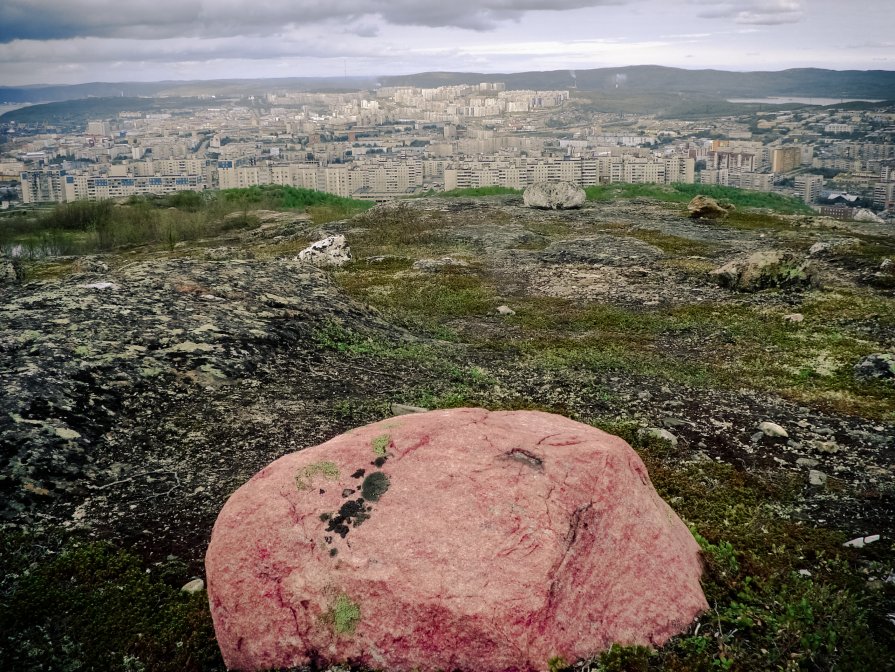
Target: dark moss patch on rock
[[351, 514], [374, 486]]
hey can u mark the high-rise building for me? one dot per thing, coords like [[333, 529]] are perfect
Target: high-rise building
[[43, 186], [809, 187], [786, 159]]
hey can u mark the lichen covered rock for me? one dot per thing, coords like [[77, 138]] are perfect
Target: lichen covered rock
[[554, 196], [705, 207], [879, 365], [331, 251], [765, 269], [457, 539]]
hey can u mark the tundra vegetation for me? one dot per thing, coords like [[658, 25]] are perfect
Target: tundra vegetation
[[785, 591]]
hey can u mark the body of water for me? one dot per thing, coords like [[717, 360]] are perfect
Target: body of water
[[784, 100]]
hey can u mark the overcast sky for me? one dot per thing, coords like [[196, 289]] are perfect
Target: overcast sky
[[71, 41]]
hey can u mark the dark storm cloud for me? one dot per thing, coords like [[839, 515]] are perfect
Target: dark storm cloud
[[54, 20]]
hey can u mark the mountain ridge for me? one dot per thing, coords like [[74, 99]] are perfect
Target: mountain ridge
[[809, 82]]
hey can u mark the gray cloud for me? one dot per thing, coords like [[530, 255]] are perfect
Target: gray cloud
[[753, 12], [96, 50], [54, 20]]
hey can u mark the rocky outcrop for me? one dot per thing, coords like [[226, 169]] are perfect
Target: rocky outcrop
[[705, 207], [765, 269], [878, 365], [554, 196], [457, 539], [75, 351], [331, 251]]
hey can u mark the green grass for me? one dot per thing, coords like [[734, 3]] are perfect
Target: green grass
[[280, 197], [387, 230], [85, 227], [683, 193], [670, 244], [473, 192], [715, 345], [707, 344]]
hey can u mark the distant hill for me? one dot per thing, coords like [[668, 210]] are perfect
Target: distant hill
[[69, 114], [215, 87], [632, 80], [652, 79]]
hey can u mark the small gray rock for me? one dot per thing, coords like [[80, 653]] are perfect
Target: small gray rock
[[406, 409], [816, 477], [830, 447], [807, 462], [505, 310], [861, 542], [659, 433], [772, 429], [193, 586]]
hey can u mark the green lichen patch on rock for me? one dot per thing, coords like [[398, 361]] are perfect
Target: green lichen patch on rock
[[380, 444], [344, 615], [374, 486], [326, 470]]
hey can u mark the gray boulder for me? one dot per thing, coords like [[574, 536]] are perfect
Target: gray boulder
[[331, 251], [864, 215], [768, 268], [878, 365], [554, 196], [705, 207]]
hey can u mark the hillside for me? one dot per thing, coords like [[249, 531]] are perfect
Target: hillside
[[654, 79], [631, 80], [179, 347]]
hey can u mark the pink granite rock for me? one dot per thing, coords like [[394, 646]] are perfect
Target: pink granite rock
[[457, 539]]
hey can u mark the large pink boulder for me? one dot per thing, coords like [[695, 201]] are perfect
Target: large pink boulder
[[458, 539]]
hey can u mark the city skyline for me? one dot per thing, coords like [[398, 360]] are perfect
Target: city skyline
[[96, 40]]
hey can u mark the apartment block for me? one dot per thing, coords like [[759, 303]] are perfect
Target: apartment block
[[884, 195], [753, 181], [809, 187], [785, 159], [43, 186], [98, 188], [519, 173], [718, 176]]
